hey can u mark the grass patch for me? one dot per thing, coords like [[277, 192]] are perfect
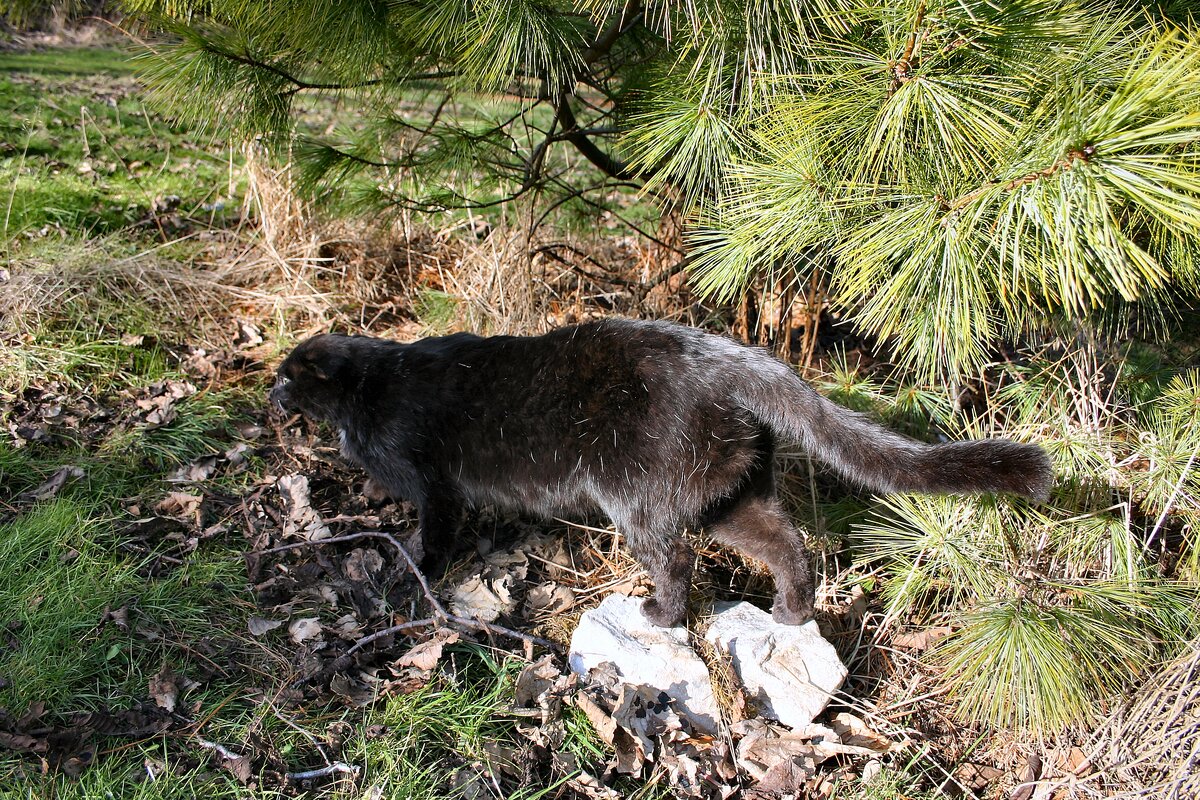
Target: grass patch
[[64, 571], [83, 153], [80, 61]]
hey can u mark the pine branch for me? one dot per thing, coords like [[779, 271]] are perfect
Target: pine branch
[[606, 163], [902, 69], [630, 16], [301, 85], [1083, 154]]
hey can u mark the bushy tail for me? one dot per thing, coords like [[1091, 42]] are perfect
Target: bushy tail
[[875, 457]]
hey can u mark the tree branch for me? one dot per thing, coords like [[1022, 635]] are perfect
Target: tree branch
[[609, 165], [952, 207], [247, 60], [630, 16]]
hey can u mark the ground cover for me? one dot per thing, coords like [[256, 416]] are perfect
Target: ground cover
[[157, 644]]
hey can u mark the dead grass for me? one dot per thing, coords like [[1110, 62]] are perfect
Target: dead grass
[[1150, 747]]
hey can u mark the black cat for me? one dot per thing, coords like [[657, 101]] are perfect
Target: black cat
[[659, 426]]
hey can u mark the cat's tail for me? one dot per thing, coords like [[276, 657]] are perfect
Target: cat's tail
[[871, 455]]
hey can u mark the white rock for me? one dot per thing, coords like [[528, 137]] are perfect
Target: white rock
[[789, 670], [645, 655]]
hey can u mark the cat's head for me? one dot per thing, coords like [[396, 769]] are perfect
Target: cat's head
[[318, 377]]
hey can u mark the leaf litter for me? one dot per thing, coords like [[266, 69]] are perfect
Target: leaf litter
[[317, 603]]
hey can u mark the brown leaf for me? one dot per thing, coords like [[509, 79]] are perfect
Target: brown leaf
[[787, 777], [302, 520], [305, 628], [241, 768], [362, 565], [180, 505], [978, 776], [922, 639], [22, 743], [356, 693], [535, 679], [1076, 762], [55, 483], [426, 655], [854, 732], [602, 722], [199, 470], [551, 598], [118, 617], [259, 625], [164, 689]]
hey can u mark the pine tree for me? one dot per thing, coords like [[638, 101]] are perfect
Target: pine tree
[[956, 171], [951, 174]]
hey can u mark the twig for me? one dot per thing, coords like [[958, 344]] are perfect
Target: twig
[[337, 766], [221, 749], [1162, 518]]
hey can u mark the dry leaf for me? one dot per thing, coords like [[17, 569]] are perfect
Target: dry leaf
[[601, 721], [199, 470], [551, 598], [55, 483], [787, 777], [477, 598], [302, 520], [853, 731], [535, 680], [425, 656], [179, 505], [356, 693], [305, 628], [920, 640], [259, 625], [164, 689], [240, 767], [362, 565]]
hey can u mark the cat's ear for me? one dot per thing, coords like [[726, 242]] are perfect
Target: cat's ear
[[325, 358]]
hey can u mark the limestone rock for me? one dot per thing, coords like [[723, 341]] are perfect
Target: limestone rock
[[789, 670], [645, 655]]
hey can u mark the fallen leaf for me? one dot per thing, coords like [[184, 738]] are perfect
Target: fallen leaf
[[922, 639], [977, 776], [425, 656], [199, 470], [602, 721], [853, 731], [248, 336], [164, 689], [304, 628], [551, 598], [302, 520], [118, 617], [259, 625], [786, 777], [240, 767], [55, 483], [356, 693], [362, 565], [534, 680], [180, 505]]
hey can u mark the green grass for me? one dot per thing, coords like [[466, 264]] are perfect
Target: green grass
[[68, 61], [83, 154], [893, 782], [63, 570]]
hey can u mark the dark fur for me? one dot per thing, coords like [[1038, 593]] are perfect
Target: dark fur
[[657, 425]]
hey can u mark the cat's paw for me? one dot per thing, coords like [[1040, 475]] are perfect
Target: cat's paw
[[662, 616]]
